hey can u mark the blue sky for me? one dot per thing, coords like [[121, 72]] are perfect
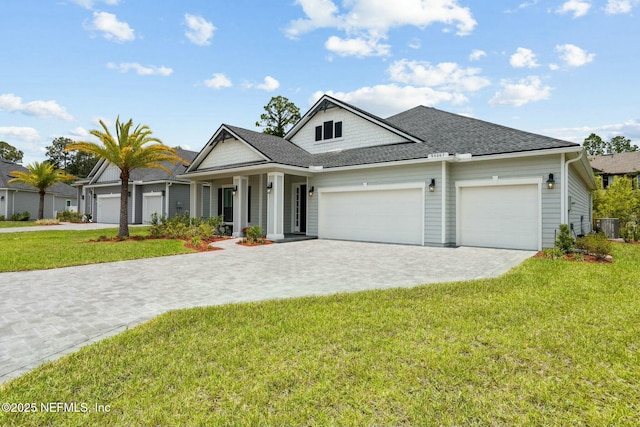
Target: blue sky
[[559, 68]]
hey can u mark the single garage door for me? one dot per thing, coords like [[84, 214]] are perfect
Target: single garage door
[[151, 203], [108, 209], [503, 216], [388, 216]]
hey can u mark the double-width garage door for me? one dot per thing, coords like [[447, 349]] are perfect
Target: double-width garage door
[[389, 216], [501, 216]]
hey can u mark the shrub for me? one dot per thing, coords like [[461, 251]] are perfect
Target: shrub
[[253, 235], [47, 222], [184, 227], [564, 239], [595, 244], [68, 216], [630, 232], [553, 253], [1, 217], [24, 216]]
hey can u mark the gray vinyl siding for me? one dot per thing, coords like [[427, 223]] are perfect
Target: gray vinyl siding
[[381, 176], [179, 196], [579, 209], [529, 167], [30, 201]]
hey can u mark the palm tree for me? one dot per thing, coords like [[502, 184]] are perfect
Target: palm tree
[[41, 176], [128, 150]]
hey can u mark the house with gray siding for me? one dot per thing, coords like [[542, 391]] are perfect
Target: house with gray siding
[[421, 177], [151, 191], [19, 198]]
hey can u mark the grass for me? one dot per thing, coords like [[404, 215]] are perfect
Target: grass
[[59, 248], [13, 224], [550, 343]]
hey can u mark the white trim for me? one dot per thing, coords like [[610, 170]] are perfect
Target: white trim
[[443, 201], [563, 190], [107, 196], [293, 205], [257, 169], [375, 187], [496, 181]]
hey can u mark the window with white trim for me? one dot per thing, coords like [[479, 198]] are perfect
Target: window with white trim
[[329, 130]]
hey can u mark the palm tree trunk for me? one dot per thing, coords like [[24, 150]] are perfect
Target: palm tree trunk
[[41, 205], [123, 230]]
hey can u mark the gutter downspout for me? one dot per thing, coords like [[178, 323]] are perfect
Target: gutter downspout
[[166, 200], [565, 185], [444, 204]]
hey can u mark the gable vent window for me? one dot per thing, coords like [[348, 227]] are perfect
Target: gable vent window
[[329, 130]]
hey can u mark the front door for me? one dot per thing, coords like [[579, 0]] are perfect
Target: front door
[[299, 208]]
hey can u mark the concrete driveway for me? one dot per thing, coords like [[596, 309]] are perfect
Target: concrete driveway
[[46, 314]]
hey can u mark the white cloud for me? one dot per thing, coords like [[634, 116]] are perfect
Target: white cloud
[[200, 30], [629, 128], [88, 4], [356, 47], [385, 100], [218, 81], [270, 84], [477, 54], [368, 21], [151, 70], [523, 58], [615, 7], [446, 75], [526, 90], [79, 132], [577, 7], [22, 133], [574, 56], [111, 28], [12, 103], [415, 43]]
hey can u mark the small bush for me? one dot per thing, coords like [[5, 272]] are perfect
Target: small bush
[[24, 216], [553, 253], [595, 244], [564, 240], [47, 222], [1, 217], [253, 235], [68, 216], [184, 227]]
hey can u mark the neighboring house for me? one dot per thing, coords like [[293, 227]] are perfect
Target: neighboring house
[[422, 177], [612, 166], [151, 191], [18, 198]]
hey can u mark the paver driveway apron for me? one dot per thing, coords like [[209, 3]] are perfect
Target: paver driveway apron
[[45, 314]]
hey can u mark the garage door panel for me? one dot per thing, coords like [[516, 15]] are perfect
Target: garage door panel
[[500, 216], [108, 209], [391, 216], [151, 203]]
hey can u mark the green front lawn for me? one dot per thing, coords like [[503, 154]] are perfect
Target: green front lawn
[[551, 343], [53, 248], [13, 224]]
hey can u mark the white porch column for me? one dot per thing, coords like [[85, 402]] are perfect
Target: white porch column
[[275, 206], [195, 199], [240, 205]]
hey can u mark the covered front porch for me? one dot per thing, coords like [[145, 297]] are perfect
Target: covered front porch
[[277, 200]]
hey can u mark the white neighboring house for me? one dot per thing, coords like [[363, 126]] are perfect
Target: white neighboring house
[[18, 198], [420, 177], [150, 191]]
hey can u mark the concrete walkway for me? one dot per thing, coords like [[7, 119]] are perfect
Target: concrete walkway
[[46, 314]]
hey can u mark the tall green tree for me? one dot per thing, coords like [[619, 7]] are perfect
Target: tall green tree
[[10, 153], [280, 113], [619, 200], [41, 176], [73, 162], [129, 149], [594, 145], [597, 146]]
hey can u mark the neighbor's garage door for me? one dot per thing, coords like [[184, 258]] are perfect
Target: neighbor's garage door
[[151, 203], [108, 209], [504, 216], [389, 216]]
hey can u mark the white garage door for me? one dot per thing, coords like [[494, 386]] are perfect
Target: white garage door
[[108, 209], [151, 203], [504, 216], [389, 216]]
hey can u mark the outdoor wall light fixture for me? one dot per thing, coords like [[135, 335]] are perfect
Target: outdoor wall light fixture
[[311, 191], [1, 197], [235, 190], [432, 185], [269, 187], [550, 182]]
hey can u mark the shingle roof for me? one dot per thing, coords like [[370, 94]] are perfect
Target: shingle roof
[[617, 164], [434, 130], [453, 133], [6, 167]]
